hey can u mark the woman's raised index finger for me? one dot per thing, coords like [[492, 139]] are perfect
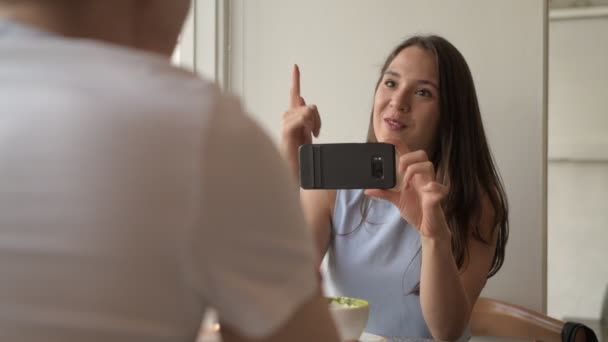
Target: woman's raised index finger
[[294, 96]]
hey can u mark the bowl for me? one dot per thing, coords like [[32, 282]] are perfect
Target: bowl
[[350, 316]]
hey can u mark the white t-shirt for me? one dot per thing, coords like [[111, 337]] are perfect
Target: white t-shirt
[[133, 195]]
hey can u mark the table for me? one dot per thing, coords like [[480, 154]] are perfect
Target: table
[[214, 336], [367, 337]]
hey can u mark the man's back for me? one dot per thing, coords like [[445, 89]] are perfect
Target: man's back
[[124, 206]]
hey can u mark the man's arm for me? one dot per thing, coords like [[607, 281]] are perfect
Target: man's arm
[[254, 261], [310, 322]]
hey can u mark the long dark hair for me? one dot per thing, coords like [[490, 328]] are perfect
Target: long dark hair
[[462, 157]]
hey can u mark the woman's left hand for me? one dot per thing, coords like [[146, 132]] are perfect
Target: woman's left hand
[[417, 195]]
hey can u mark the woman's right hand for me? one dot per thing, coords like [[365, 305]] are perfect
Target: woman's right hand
[[300, 123]]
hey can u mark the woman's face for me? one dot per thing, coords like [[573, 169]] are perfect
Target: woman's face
[[406, 104]]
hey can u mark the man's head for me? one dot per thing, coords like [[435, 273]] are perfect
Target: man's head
[[152, 25]]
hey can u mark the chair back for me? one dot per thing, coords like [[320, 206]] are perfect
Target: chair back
[[496, 318]]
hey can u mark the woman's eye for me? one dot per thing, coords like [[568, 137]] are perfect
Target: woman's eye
[[390, 83], [423, 92]]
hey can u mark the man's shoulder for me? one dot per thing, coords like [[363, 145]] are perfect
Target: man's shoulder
[[97, 66], [150, 82]]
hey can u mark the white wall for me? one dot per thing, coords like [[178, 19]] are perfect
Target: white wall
[[183, 55], [199, 47], [578, 100], [578, 167], [340, 46]]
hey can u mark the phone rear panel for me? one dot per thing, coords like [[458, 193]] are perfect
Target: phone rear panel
[[347, 166]]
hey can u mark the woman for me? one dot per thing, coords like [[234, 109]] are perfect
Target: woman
[[420, 253]]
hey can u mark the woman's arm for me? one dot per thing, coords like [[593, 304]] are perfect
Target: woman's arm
[[447, 295], [318, 210], [299, 124]]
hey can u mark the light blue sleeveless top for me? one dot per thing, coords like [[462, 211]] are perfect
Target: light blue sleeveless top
[[378, 259]]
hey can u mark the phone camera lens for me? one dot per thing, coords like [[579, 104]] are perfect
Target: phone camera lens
[[377, 167]]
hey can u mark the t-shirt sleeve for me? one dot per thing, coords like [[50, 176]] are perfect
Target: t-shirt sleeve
[[255, 256]]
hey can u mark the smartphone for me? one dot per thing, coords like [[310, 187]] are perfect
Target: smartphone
[[347, 166]]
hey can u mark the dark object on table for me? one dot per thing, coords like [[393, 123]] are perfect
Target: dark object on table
[[572, 329]]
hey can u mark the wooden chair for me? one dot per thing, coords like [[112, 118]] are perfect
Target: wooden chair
[[495, 318]]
